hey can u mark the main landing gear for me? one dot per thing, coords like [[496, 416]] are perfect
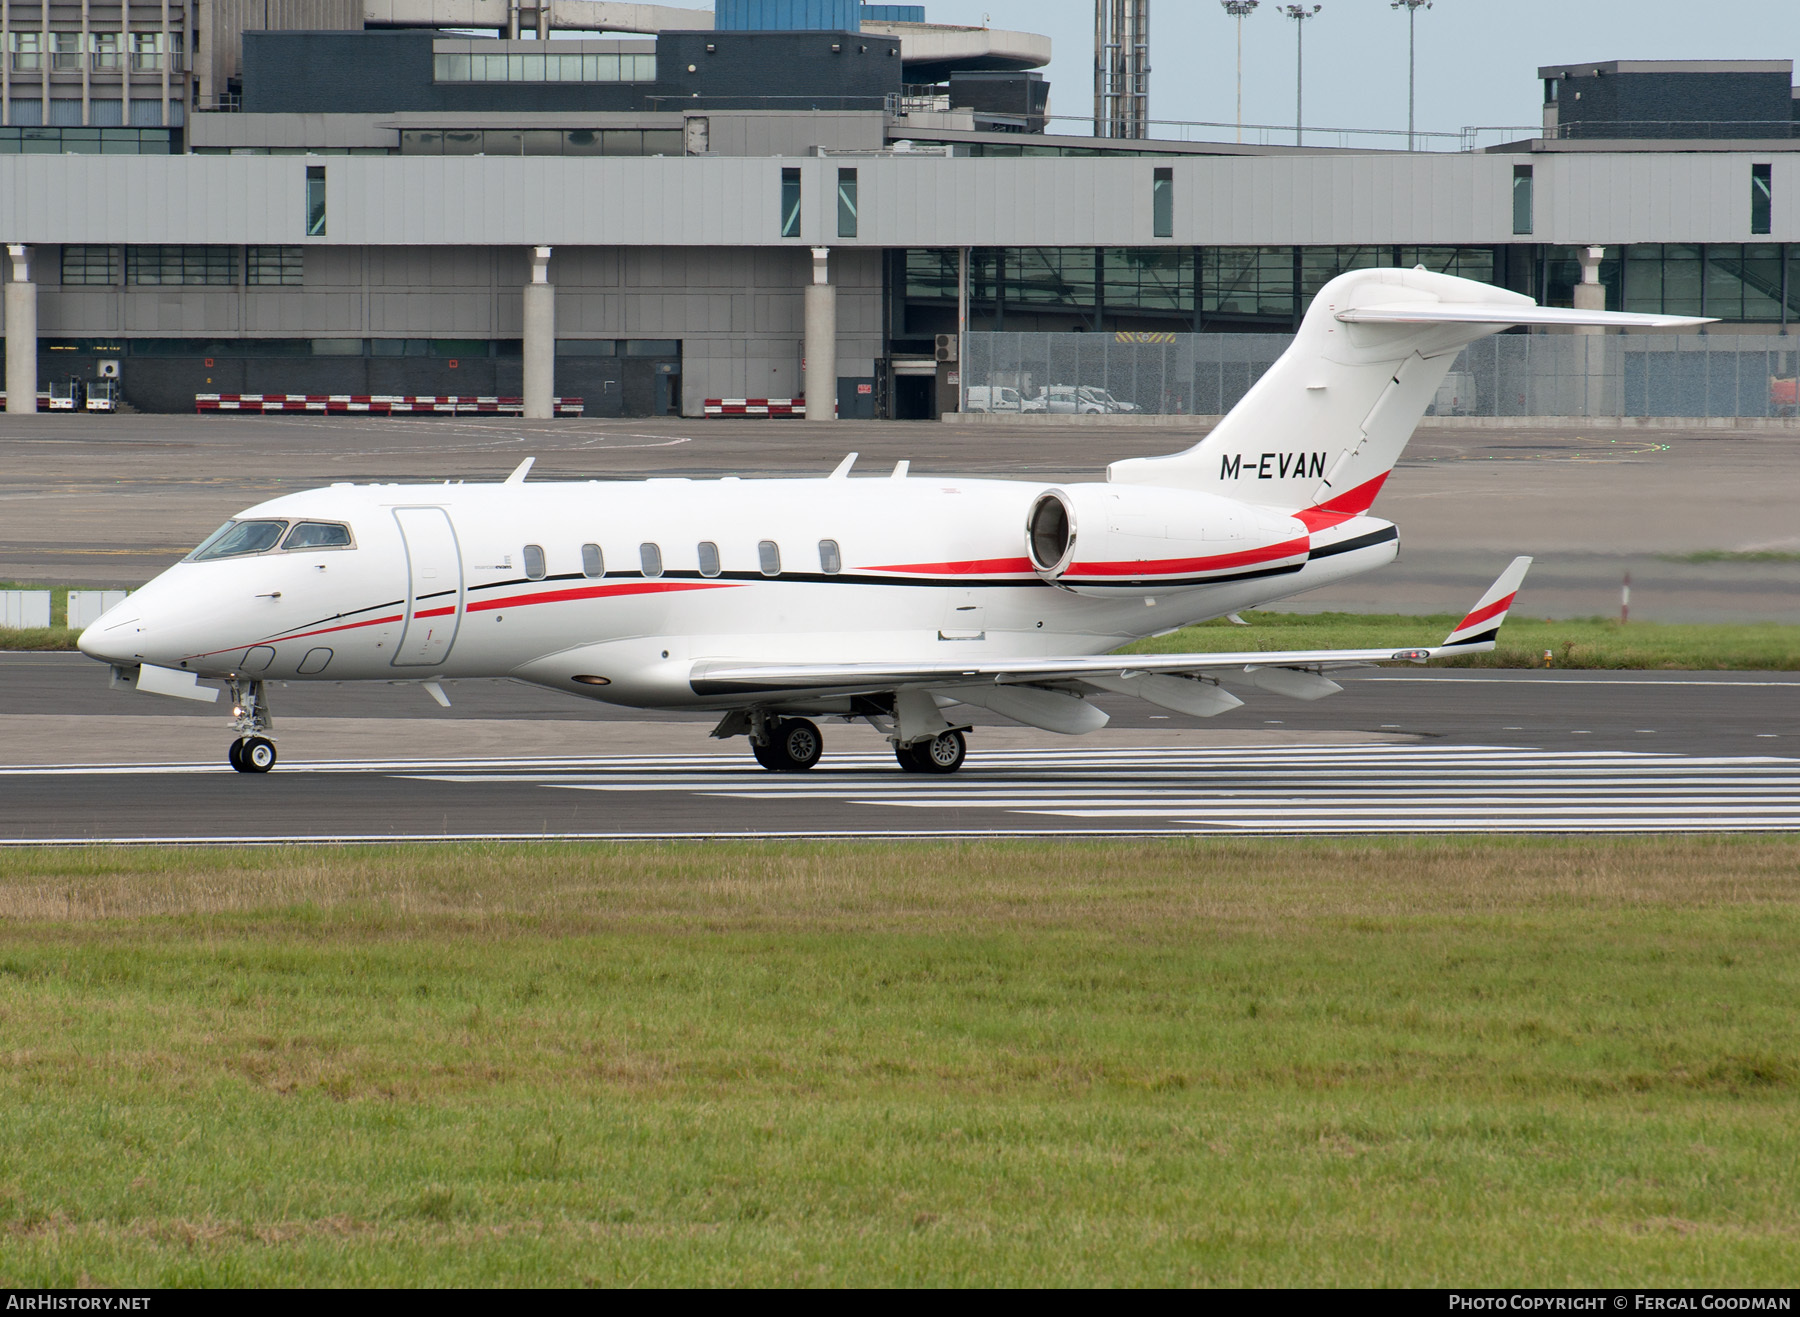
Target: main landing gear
[[792, 745], [943, 753], [254, 750]]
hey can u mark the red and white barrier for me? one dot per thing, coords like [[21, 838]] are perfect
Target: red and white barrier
[[756, 406], [376, 404]]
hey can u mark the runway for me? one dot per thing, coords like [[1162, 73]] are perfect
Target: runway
[[1400, 751], [1290, 790]]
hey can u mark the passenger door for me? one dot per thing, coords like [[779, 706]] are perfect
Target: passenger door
[[434, 591]]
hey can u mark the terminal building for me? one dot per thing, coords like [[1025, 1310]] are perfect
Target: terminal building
[[648, 207]]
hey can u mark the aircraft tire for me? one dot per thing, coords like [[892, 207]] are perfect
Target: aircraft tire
[[942, 754], [256, 755], [908, 755], [769, 756], [234, 756], [800, 743]]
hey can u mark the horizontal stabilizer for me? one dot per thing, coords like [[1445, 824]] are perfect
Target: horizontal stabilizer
[[1509, 313], [1483, 621]]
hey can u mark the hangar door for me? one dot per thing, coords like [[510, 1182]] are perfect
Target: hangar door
[[434, 589]]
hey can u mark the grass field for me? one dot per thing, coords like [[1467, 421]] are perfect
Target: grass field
[[1594, 642], [1530, 1062]]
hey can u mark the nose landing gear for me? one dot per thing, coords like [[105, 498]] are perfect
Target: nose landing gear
[[254, 750]]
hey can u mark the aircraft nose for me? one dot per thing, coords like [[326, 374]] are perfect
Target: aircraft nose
[[114, 636]]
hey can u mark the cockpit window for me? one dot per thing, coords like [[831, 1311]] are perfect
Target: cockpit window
[[237, 538], [318, 535]]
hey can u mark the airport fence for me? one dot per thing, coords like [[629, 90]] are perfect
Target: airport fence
[[1574, 375]]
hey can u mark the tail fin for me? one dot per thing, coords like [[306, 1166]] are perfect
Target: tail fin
[[1482, 624], [1326, 423]]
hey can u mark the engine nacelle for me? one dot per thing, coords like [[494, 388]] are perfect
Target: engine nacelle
[[1119, 540]]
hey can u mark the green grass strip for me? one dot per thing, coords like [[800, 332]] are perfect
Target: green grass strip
[[1531, 1062]]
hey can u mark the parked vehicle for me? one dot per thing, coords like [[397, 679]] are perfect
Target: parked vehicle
[[103, 395], [1108, 401], [1073, 399], [1784, 395], [985, 398]]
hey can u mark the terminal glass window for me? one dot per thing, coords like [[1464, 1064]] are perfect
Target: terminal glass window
[[709, 558], [846, 203], [171, 263], [650, 559], [106, 51], [768, 558], [315, 201], [534, 562], [790, 203], [26, 51], [1521, 199], [1162, 203], [1247, 282], [1760, 198], [592, 564], [274, 265], [89, 264], [548, 67], [65, 52]]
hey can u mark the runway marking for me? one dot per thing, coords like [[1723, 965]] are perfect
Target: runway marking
[[1372, 788]]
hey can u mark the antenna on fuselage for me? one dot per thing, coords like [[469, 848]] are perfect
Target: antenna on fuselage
[[518, 475], [842, 470]]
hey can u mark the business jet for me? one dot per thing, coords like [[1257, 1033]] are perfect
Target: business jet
[[904, 601]]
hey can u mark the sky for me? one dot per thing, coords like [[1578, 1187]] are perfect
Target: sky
[[1477, 59]]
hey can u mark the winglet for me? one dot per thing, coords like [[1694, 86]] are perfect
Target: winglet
[[518, 475], [842, 470], [1483, 622]]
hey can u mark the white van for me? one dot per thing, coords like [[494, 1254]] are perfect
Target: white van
[[983, 398]]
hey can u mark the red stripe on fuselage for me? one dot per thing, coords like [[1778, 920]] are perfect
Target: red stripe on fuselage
[[1481, 615], [1173, 566], [511, 601], [976, 567]]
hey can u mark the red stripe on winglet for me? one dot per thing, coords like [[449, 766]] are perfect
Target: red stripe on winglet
[[1481, 615]]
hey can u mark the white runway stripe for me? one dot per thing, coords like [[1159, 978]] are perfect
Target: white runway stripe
[[1280, 790]]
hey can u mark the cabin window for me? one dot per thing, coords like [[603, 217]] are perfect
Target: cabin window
[[709, 558], [768, 557], [831, 562], [592, 564], [651, 558], [534, 562], [237, 538], [318, 535]]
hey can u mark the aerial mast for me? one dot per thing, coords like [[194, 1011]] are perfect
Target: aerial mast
[[1121, 68]]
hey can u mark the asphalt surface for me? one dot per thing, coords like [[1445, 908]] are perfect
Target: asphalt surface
[[112, 500], [1397, 751]]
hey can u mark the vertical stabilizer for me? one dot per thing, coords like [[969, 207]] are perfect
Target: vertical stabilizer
[[1326, 423]]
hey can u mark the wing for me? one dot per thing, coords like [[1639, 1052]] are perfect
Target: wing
[[1507, 313], [1288, 672]]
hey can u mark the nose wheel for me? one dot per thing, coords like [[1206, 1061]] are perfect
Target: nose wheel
[[253, 754], [253, 751]]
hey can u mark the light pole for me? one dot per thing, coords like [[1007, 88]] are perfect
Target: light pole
[[1412, 12], [1299, 13], [1238, 9]]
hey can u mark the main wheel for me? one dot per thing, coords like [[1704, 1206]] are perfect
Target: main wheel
[[800, 743], [234, 756], [769, 756], [256, 755], [944, 753]]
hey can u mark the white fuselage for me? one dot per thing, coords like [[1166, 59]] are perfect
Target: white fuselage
[[436, 584]]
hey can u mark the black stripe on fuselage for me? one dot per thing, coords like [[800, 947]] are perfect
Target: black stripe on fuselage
[[1160, 582], [1381, 536]]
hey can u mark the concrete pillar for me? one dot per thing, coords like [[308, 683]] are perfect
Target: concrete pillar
[[821, 341], [540, 339], [21, 335], [1589, 294]]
